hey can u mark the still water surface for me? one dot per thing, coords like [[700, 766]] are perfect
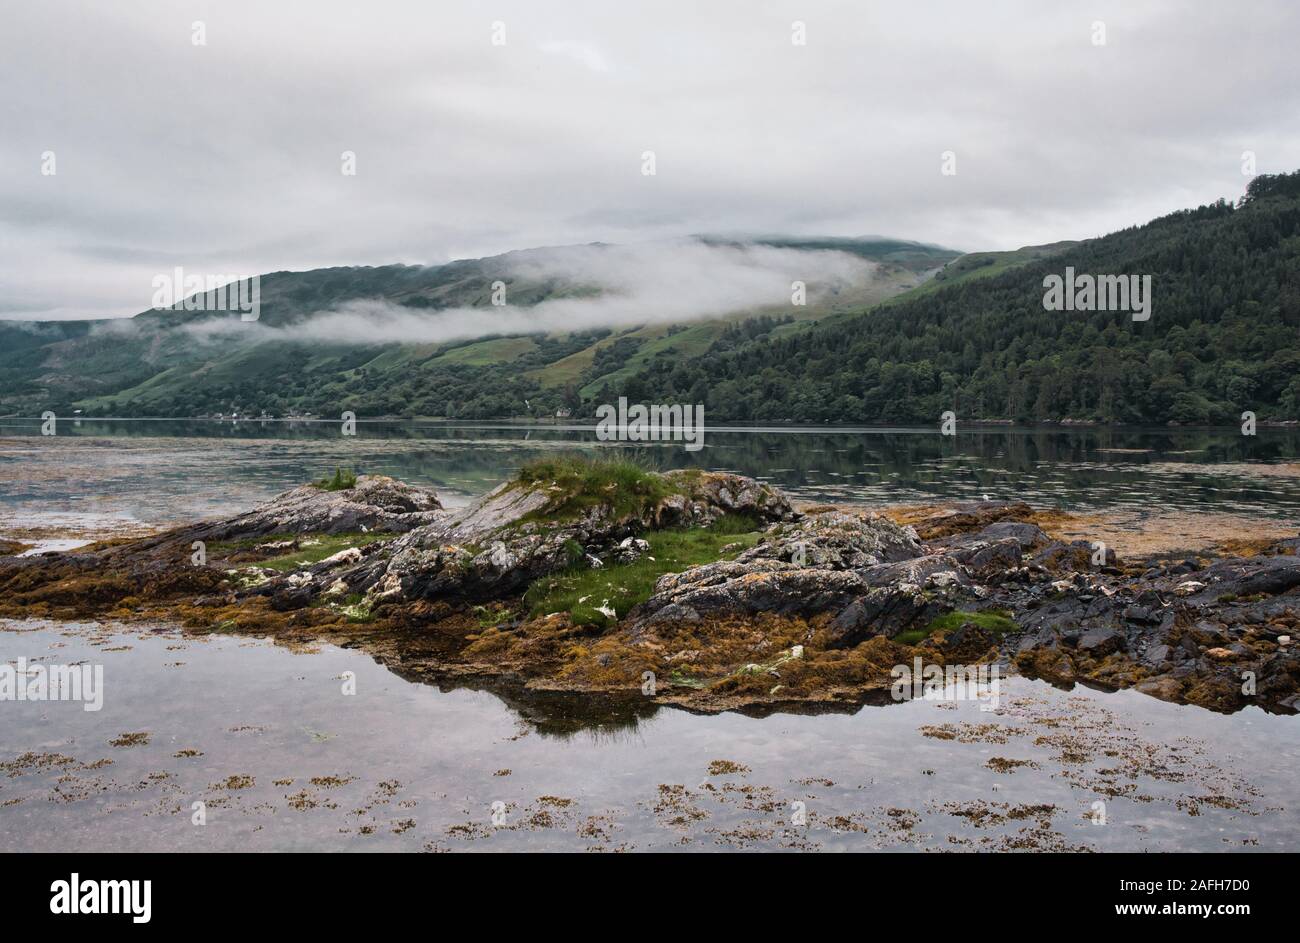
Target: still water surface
[[287, 761], [160, 471]]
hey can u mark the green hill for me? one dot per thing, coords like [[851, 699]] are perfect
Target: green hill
[[928, 331], [162, 363], [1223, 338]]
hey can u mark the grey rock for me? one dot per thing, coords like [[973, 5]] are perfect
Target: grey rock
[[1156, 655], [504, 541], [819, 564], [1101, 641]]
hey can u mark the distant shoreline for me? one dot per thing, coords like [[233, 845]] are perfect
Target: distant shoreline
[[772, 425]]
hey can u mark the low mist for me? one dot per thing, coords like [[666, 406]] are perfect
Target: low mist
[[641, 284]]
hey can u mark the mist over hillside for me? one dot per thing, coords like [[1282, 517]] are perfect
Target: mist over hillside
[[1222, 339], [342, 331], [891, 331]]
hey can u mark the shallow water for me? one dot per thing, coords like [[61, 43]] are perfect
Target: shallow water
[[406, 766], [104, 476]]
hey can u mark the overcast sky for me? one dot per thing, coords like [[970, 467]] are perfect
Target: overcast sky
[[225, 157]]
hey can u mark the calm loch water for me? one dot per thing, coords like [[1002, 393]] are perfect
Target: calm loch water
[[281, 758], [158, 471]]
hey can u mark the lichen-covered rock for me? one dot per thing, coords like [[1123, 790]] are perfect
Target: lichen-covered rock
[[814, 566], [837, 540], [630, 549], [705, 496], [376, 503], [166, 564], [900, 596], [746, 588]]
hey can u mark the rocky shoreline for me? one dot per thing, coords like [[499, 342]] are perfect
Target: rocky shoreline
[[710, 591]]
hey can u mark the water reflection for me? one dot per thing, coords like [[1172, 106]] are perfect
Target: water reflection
[[263, 736], [158, 470]]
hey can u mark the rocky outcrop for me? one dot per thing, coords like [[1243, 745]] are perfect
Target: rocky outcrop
[[375, 503], [901, 597], [1217, 636], [703, 497], [505, 540], [820, 608]]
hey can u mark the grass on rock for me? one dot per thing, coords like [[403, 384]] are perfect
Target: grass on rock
[[997, 621], [584, 592], [312, 548], [314, 553], [577, 483], [344, 479]]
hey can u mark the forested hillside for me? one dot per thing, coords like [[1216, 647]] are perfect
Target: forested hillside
[[1224, 337], [380, 354]]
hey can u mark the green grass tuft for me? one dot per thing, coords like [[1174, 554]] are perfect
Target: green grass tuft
[[994, 620], [578, 483], [344, 479], [315, 552]]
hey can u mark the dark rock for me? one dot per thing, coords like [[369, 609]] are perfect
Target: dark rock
[[968, 643], [1156, 655], [1249, 576], [989, 561], [886, 610], [291, 598], [1060, 557], [1143, 614], [673, 613], [1101, 641]]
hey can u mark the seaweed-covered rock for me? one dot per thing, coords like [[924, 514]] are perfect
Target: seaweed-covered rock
[[164, 565], [815, 610], [970, 517]]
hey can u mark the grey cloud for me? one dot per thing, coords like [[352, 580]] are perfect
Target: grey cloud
[[226, 157]]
